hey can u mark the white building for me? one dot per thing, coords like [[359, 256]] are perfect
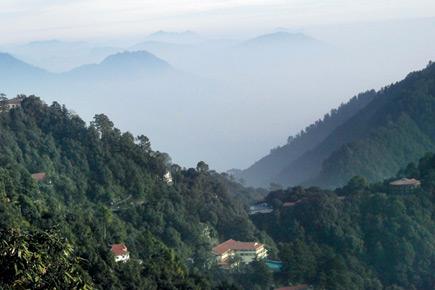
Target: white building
[[260, 208], [168, 178], [405, 185], [232, 251], [11, 104], [120, 252]]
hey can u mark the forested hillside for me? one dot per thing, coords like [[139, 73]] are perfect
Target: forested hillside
[[103, 187], [269, 167], [359, 237], [373, 136]]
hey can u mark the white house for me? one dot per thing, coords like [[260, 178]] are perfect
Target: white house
[[120, 252], [168, 178]]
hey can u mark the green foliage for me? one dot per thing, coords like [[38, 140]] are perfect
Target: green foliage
[[362, 240], [393, 130], [40, 260], [269, 168], [103, 187]]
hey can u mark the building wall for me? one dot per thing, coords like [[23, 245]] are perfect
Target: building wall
[[246, 256], [122, 258]]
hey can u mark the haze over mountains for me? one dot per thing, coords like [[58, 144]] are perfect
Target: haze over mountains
[[215, 96], [59, 56], [374, 135]]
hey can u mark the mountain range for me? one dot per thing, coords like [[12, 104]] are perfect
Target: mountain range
[[279, 82]]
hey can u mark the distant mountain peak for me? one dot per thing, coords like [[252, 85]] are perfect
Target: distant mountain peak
[[125, 64], [7, 56], [136, 58], [10, 62]]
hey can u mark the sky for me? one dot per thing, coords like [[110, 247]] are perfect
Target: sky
[[29, 20]]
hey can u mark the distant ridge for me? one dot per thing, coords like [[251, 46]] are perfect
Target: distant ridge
[[10, 64], [373, 136], [266, 170], [124, 64], [283, 38]]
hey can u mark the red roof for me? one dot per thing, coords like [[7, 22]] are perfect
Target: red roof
[[119, 249], [40, 176], [297, 287], [236, 245]]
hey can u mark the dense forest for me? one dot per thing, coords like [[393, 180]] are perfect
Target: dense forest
[[104, 187], [360, 236], [372, 136]]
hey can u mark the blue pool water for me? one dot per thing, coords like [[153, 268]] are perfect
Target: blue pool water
[[274, 265]]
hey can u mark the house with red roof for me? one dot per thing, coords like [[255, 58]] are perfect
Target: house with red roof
[[231, 251], [39, 177], [120, 252]]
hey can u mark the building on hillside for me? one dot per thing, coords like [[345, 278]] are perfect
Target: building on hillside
[[296, 287], [404, 185], [120, 252], [7, 105], [260, 208], [290, 203], [168, 178], [40, 176], [232, 252]]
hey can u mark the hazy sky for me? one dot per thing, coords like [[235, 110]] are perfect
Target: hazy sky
[[25, 20]]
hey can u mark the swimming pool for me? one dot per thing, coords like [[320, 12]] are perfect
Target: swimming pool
[[274, 265]]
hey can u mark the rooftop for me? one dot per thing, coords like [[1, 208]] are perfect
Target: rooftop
[[405, 181], [40, 176], [15, 101], [119, 249], [290, 203], [236, 245]]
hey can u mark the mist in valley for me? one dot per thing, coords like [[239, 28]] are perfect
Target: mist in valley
[[224, 100]]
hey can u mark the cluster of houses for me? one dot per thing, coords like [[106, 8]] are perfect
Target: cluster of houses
[[231, 253]]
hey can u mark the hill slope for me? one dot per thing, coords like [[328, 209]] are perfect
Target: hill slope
[[359, 237], [264, 171], [396, 128], [105, 187], [373, 136]]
